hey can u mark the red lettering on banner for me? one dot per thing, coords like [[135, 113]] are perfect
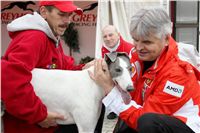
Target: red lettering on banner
[[84, 18], [8, 16], [94, 17]]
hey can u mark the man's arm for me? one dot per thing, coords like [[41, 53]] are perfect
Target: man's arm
[[17, 92]]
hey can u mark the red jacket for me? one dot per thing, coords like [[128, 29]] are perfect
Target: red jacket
[[123, 47], [169, 87], [29, 49]]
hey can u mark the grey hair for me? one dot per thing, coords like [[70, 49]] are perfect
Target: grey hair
[[151, 21]]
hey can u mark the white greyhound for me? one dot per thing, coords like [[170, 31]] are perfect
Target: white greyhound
[[75, 95]]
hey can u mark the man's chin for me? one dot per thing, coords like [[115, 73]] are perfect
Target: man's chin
[[142, 58], [145, 59], [61, 33]]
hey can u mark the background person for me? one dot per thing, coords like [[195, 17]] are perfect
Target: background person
[[167, 92], [113, 41]]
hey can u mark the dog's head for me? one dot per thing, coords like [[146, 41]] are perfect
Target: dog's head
[[120, 69]]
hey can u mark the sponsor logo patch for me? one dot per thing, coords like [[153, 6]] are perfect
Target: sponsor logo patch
[[133, 71], [173, 89]]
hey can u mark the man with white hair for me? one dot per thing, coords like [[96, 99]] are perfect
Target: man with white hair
[[113, 41], [167, 92]]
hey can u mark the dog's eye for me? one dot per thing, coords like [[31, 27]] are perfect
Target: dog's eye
[[118, 70], [130, 68]]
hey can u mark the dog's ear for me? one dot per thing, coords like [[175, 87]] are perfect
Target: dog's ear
[[122, 54], [110, 57]]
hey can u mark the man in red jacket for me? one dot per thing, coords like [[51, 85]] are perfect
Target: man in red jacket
[[167, 90], [113, 42], [35, 44]]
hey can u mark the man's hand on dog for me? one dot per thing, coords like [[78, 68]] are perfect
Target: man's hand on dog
[[101, 75], [51, 120], [89, 64]]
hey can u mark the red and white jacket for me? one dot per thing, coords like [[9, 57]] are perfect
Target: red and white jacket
[[123, 46], [170, 86], [33, 46]]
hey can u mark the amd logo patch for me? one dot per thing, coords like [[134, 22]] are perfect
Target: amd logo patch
[[173, 89]]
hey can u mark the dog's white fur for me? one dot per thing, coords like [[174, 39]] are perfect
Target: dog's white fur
[[73, 94]]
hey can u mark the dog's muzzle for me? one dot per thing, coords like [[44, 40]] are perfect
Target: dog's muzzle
[[129, 88]]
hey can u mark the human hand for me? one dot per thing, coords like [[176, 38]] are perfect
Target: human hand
[[51, 120], [89, 64], [102, 75]]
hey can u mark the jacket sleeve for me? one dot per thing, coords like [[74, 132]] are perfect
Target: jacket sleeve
[[17, 92], [160, 101]]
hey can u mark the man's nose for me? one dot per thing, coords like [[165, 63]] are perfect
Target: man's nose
[[139, 46], [66, 19], [107, 38]]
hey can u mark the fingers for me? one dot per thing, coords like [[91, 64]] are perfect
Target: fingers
[[91, 75], [89, 64], [104, 66], [53, 115], [47, 124], [98, 66], [52, 123], [51, 120], [59, 116]]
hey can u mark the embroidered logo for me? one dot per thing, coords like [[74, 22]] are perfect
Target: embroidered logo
[[173, 89], [148, 82], [133, 70], [51, 66]]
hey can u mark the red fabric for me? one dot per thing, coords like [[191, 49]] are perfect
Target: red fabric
[[123, 47], [28, 49], [167, 68]]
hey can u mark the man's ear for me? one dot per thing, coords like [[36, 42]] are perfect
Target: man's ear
[[43, 12], [167, 38], [118, 34]]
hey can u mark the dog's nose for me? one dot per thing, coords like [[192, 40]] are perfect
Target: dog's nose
[[129, 88]]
